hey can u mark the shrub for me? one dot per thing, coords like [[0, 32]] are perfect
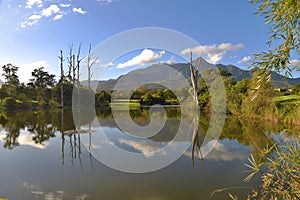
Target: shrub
[[11, 103]]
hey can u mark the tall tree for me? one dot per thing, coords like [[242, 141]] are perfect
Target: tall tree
[[42, 78], [61, 58], [10, 74], [90, 62], [194, 75], [78, 60], [70, 63]]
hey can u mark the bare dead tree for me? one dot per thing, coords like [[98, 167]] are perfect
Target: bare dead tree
[[78, 60], [70, 62], [90, 146], [90, 63], [194, 75], [61, 58], [74, 70], [195, 138]]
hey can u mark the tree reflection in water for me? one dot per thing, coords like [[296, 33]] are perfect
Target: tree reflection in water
[[42, 125]]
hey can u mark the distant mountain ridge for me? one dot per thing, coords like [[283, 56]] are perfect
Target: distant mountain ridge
[[240, 74], [138, 75]]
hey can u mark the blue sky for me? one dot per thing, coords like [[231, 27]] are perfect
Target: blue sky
[[33, 31]]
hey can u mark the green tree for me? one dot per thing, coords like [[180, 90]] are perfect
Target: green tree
[[10, 74], [147, 99], [228, 81], [241, 87], [235, 96], [158, 97], [296, 89], [11, 80], [102, 98], [42, 79], [40, 86], [3, 93], [258, 101], [67, 94], [139, 92]]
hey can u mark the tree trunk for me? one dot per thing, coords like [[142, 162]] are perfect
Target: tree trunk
[[61, 78], [194, 74]]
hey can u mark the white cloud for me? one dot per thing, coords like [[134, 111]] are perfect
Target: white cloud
[[64, 5], [35, 17], [57, 17], [244, 59], [30, 3], [29, 23], [219, 152], [25, 70], [26, 139], [294, 63], [145, 148], [214, 53], [147, 56], [105, 1], [79, 10], [107, 64], [52, 9]]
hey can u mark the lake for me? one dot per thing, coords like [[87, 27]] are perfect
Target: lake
[[41, 161]]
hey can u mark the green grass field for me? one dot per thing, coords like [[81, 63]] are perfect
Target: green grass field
[[121, 104], [289, 99]]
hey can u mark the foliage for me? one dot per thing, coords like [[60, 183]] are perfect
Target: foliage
[[168, 94], [42, 79], [147, 99], [158, 96], [10, 74], [3, 93], [279, 169], [259, 98], [241, 87], [203, 100], [10, 103], [102, 98], [181, 93], [296, 89], [67, 95], [287, 99], [283, 18], [139, 92]]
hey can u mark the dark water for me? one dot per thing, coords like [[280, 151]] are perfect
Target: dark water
[[39, 162]]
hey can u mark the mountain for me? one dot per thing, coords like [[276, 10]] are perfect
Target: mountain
[[236, 73], [157, 72], [239, 74]]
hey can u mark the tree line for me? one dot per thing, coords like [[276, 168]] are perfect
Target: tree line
[[43, 91]]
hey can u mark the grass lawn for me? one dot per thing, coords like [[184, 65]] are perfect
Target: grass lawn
[[288, 99], [123, 103]]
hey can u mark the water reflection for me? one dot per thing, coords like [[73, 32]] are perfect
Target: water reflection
[[36, 128], [39, 193], [57, 162]]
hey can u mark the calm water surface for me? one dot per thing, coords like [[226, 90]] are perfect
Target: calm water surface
[[39, 162]]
